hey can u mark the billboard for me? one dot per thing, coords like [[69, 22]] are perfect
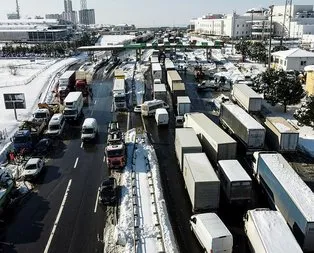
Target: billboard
[[14, 101]]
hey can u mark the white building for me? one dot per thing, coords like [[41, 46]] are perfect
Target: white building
[[307, 42], [293, 59], [293, 22]]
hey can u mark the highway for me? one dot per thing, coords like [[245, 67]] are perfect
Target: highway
[[61, 214]]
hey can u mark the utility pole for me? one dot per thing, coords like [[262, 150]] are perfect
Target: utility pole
[[270, 34]]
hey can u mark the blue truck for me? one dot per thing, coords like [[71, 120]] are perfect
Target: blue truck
[[28, 135], [287, 193]]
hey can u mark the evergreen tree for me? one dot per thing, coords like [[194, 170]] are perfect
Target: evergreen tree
[[305, 115], [278, 87]]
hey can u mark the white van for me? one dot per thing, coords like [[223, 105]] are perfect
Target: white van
[[89, 129], [149, 107], [212, 233], [161, 116], [56, 125]]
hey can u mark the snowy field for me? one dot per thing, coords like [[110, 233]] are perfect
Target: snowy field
[[19, 72]]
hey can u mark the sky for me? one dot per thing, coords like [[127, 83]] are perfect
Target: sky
[[142, 13]]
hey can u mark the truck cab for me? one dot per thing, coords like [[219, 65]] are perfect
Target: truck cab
[[115, 154], [22, 139], [41, 115]]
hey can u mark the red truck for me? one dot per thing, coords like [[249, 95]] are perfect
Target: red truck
[[81, 84], [115, 150]]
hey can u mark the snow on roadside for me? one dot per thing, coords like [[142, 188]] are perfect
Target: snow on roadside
[[167, 233]]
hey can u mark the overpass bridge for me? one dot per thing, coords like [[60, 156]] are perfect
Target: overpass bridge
[[140, 47]]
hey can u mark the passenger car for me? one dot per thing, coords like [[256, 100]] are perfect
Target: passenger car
[[108, 191], [43, 147], [138, 108], [32, 168]]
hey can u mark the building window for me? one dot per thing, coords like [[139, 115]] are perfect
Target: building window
[[285, 62], [237, 25], [246, 32], [237, 32], [280, 62], [242, 32], [303, 63], [242, 25]]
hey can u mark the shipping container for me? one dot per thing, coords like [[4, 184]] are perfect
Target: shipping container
[[217, 144], [242, 125], [173, 77], [183, 105], [178, 90], [160, 92], [234, 180], [186, 141], [201, 182], [156, 71], [281, 135], [268, 232], [288, 194], [247, 97]]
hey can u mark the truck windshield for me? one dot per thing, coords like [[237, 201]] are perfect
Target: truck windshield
[[70, 112], [21, 139], [115, 153], [88, 130], [119, 99], [30, 167], [40, 115], [54, 127]]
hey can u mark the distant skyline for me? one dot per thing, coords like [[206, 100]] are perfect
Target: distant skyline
[[141, 13]]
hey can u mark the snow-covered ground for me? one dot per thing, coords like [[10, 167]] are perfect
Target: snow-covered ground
[[108, 40]]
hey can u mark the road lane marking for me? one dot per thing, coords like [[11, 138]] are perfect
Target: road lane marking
[[95, 102], [76, 162], [96, 204], [91, 114], [58, 217], [82, 144], [143, 122], [128, 122]]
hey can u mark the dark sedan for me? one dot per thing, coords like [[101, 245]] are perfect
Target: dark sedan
[[43, 147], [108, 191]]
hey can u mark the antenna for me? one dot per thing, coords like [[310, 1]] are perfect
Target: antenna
[[17, 9], [83, 5]]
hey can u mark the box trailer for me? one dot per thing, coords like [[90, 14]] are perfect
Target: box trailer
[[212, 233], [183, 105], [178, 89], [160, 91], [280, 134], [169, 65], [217, 144], [201, 182], [289, 194], [235, 182], [247, 97], [268, 232], [154, 59], [186, 141], [156, 71], [242, 125], [173, 77]]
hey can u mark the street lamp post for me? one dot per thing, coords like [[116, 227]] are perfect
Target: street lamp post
[[270, 34]]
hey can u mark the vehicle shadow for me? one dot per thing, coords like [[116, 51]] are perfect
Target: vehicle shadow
[[23, 224], [58, 150], [49, 174]]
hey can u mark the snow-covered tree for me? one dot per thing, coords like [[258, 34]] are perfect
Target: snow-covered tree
[[278, 87], [305, 114]]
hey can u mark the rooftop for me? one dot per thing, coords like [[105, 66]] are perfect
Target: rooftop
[[293, 53]]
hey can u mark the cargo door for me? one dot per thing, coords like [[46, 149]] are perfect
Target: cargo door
[[288, 141], [256, 138], [222, 244]]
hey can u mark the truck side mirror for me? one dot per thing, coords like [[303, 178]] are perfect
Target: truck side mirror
[[193, 220]]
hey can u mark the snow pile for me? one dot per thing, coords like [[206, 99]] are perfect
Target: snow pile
[[24, 187], [167, 233]]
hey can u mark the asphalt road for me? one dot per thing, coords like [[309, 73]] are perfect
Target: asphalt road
[[53, 220]]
